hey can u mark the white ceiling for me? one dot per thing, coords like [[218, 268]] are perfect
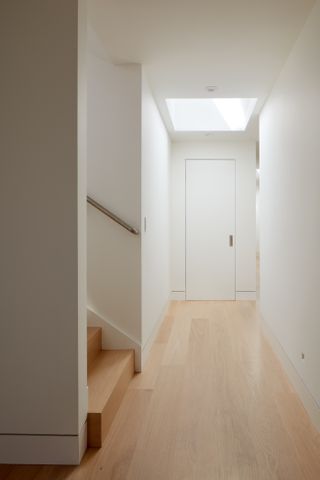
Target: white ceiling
[[186, 45]]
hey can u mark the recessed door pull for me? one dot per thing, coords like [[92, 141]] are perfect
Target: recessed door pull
[[231, 240]]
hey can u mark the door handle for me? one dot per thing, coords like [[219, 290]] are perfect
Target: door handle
[[230, 240]]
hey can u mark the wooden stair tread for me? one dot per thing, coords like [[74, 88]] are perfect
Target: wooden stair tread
[[105, 373]]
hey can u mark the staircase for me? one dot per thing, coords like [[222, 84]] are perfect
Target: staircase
[[109, 373]]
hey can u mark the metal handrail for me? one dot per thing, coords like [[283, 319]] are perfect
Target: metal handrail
[[113, 217]]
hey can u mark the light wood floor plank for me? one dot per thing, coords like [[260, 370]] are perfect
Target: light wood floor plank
[[112, 461], [148, 378]]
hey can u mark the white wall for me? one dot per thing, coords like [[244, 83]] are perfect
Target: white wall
[[258, 215], [128, 172], [114, 165], [245, 155], [42, 267], [155, 259], [290, 199], [82, 223]]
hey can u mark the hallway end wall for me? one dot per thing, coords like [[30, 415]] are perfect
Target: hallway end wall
[[245, 155]]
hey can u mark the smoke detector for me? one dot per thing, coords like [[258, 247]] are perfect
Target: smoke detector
[[211, 88]]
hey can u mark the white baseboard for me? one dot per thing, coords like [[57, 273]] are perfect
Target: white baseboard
[[181, 296], [114, 338], [246, 295], [42, 449], [178, 295], [301, 389], [148, 344]]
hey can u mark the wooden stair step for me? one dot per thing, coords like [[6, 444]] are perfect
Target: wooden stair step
[[108, 380], [94, 341]]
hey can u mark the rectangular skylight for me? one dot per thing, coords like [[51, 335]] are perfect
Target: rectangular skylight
[[210, 114]]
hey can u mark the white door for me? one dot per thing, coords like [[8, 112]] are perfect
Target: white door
[[210, 229]]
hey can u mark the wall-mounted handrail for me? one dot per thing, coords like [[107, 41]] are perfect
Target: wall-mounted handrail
[[111, 215]]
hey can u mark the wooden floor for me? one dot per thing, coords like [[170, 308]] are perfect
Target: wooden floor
[[213, 403]]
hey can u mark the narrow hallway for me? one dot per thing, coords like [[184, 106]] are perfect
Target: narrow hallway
[[212, 403]]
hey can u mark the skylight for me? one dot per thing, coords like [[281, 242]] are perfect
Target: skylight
[[210, 114]]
